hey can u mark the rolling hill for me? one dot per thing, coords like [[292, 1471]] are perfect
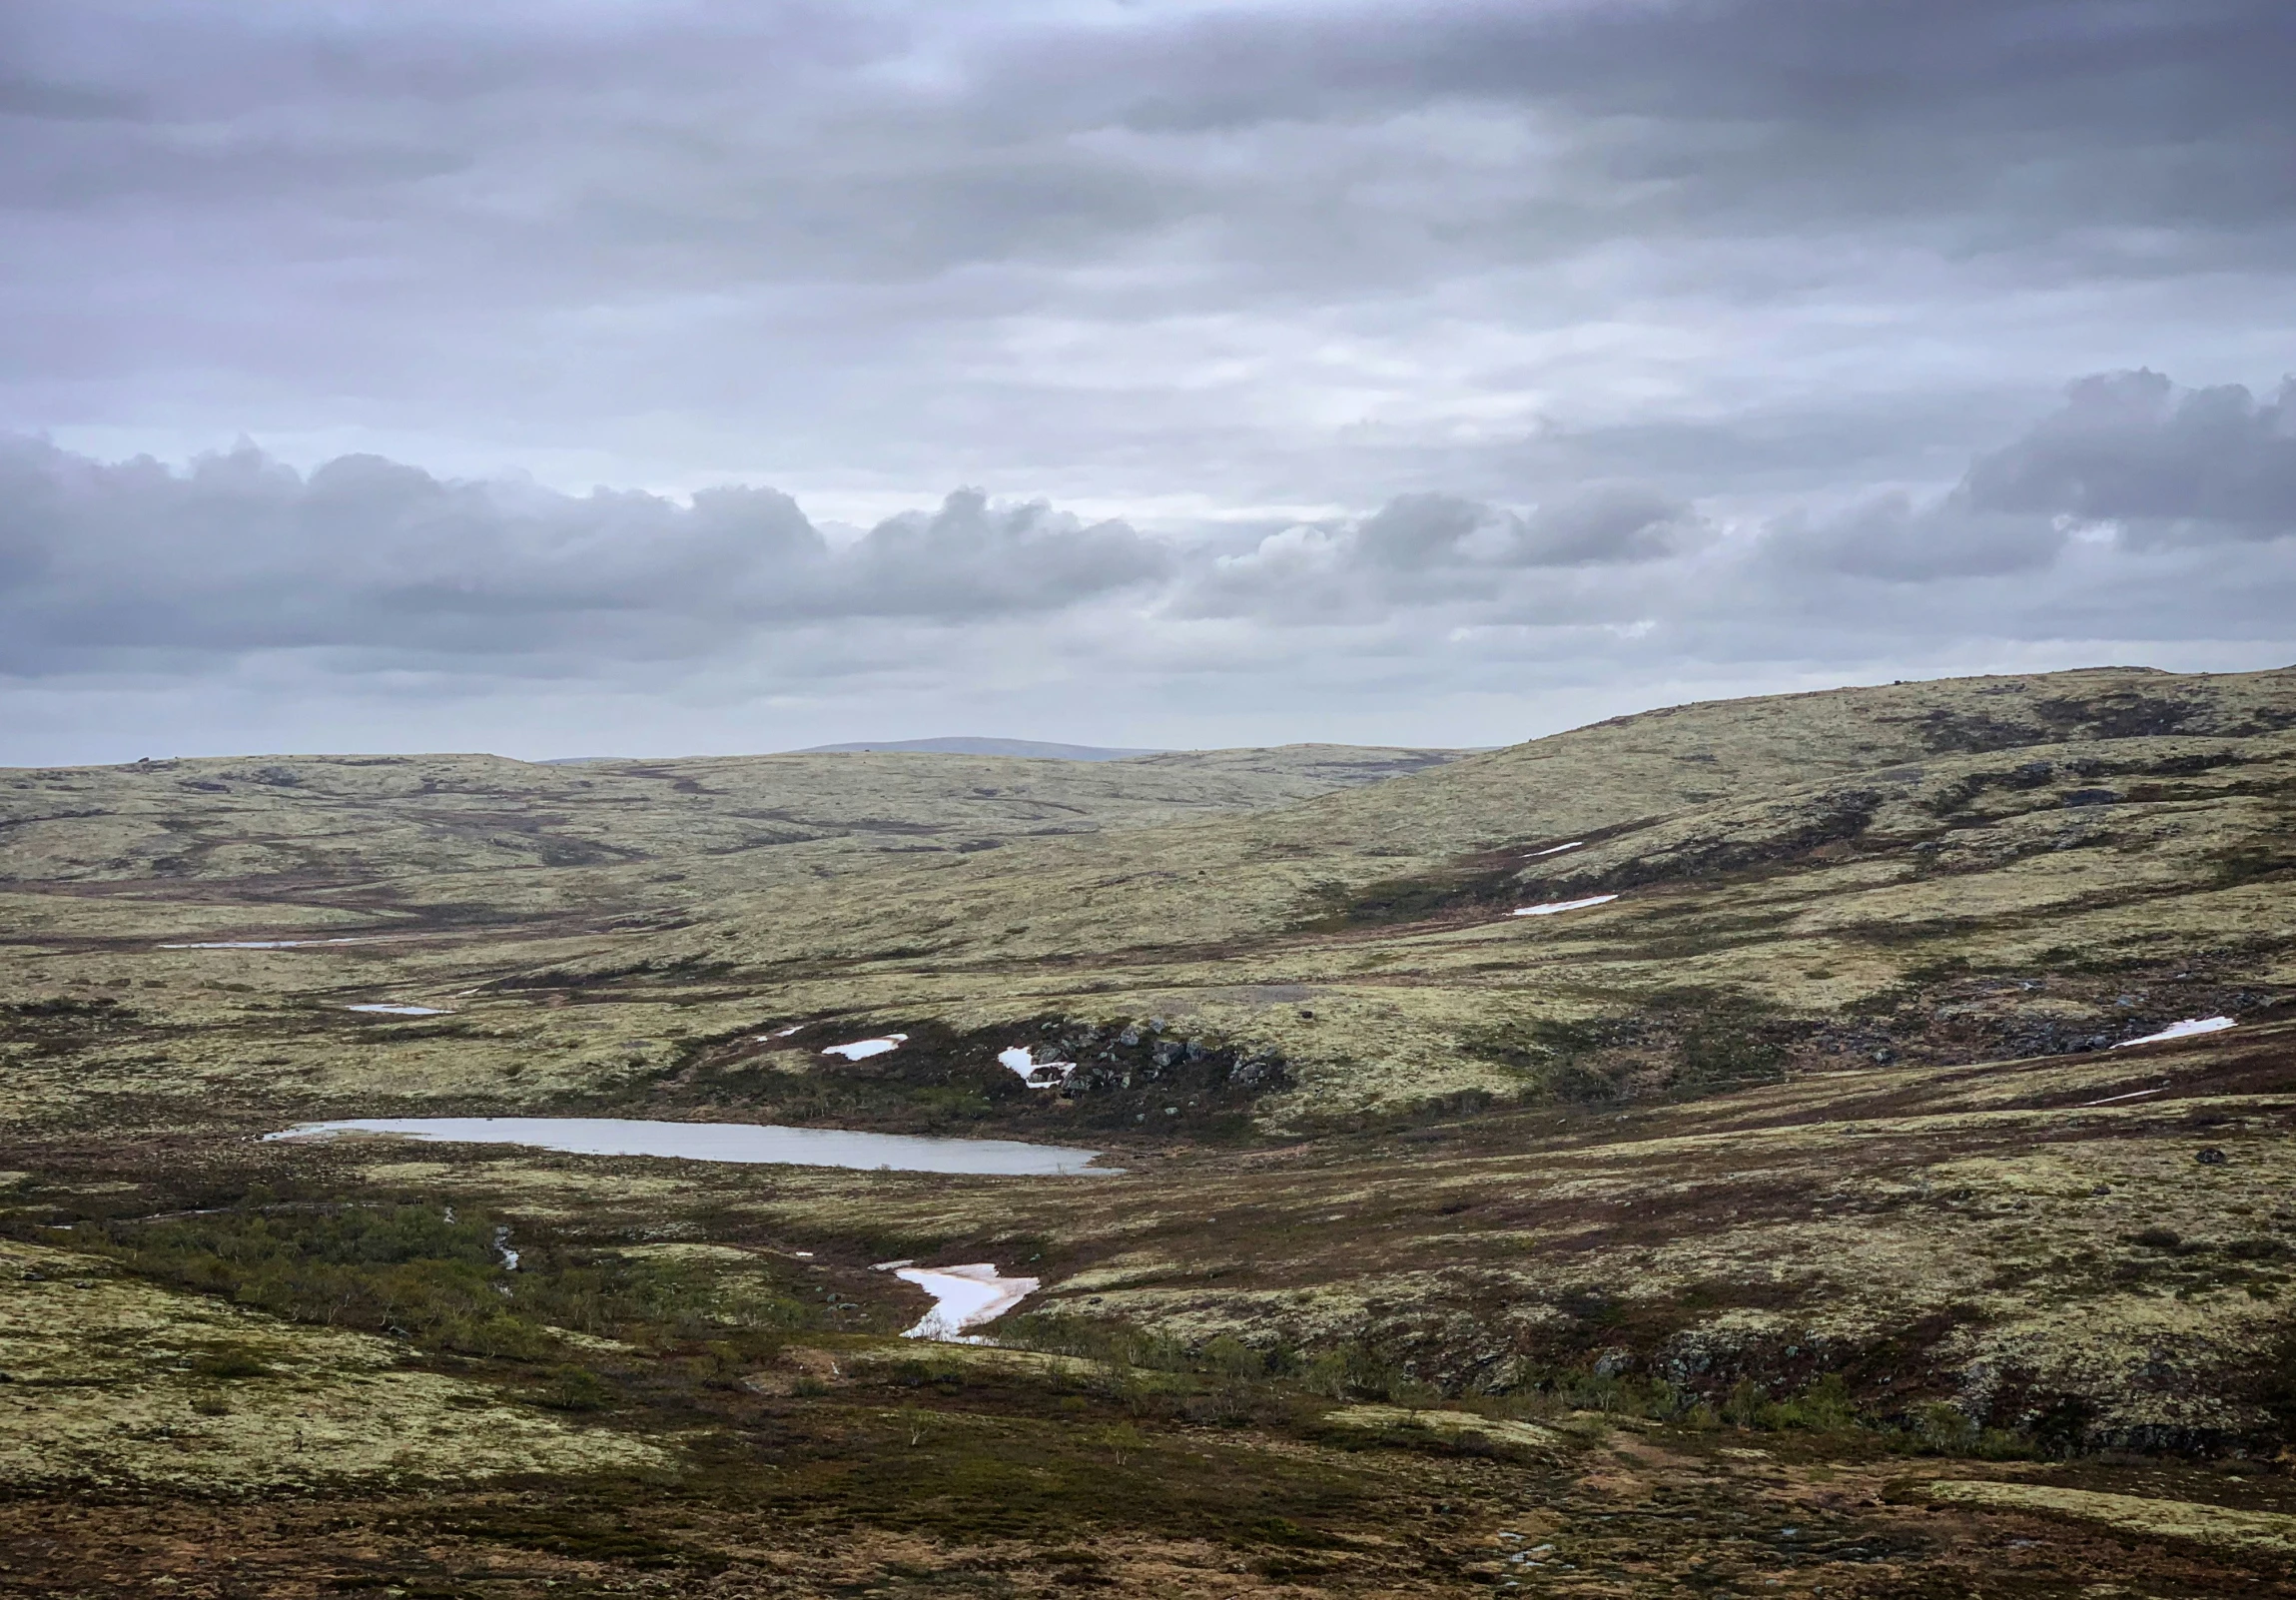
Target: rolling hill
[[1719, 1143]]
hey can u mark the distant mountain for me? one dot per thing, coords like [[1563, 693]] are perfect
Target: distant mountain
[[986, 748]]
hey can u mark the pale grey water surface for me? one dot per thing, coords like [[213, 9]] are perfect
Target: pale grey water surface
[[756, 1142]]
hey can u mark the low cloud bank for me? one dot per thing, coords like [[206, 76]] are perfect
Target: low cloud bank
[[131, 564], [2135, 510]]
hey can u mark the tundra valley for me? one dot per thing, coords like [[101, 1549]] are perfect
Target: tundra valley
[[1836, 1143]]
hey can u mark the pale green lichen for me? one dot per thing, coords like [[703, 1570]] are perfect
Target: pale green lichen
[[117, 1382], [2227, 1526]]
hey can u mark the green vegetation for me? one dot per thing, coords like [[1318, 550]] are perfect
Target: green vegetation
[[422, 1271], [1646, 1231]]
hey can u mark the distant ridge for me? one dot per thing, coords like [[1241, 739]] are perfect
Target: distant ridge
[[985, 747]]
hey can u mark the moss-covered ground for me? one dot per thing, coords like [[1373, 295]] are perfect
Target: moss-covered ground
[[1782, 1225]]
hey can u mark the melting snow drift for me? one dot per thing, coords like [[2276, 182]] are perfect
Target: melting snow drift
[[1555, 850], [1035, 1073], [1553, 906], [403, 1011], [268, 943], [963, 1296], [863, 1048], [2182, 1029]]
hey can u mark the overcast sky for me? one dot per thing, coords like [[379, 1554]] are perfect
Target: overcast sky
[[597, 376]]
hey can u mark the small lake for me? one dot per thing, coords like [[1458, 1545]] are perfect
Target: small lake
[[749, 1142]]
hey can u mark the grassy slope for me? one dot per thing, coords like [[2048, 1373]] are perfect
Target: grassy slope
[[1800, 880], [1811, 1102], [306, 821], [1893, 856]]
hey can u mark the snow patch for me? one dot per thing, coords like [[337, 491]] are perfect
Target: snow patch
[[863, 1048], [1553, 906], [1555, 850], [963, 1296], [1035, 1073], [2182, 1029], [403, 1011], [2135, 1094], [267, 944]]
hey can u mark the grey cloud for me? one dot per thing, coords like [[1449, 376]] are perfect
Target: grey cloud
[[972, 557], [374, 581], [1599, 523], [1892, 537], [2129, 448], [1603, 523], [106, 563], [2019, 119], [2127, 453], [1427, 549], [1225, 244], [1413, 533], [1592, 524]]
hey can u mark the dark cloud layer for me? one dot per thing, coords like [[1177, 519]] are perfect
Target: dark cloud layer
[[2128, 458], [1379, 351], [111, 565], [2210, 464], [1276, 253]]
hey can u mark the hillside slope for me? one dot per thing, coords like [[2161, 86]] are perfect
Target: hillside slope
[[1938, 871], [1922, 871], [1790, 1179], [474, 834]]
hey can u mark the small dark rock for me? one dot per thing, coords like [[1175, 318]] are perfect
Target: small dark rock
[[2092, 797], [2210, 1156]]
